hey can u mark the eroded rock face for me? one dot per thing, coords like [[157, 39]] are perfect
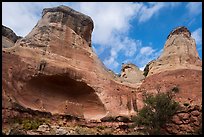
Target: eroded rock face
[[78, 22], [185, 121], [131, 73], [9, 38], [53, 69], [178, 66], [7, 32], [179, 53]]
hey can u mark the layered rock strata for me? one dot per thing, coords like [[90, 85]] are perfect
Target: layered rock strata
[[179, 53], [54, 69], [179, 66]]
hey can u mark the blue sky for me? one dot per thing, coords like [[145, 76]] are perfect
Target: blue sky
[[123, 32]]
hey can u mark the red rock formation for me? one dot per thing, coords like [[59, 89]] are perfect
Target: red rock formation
[[179, 70], [187, 120], [54, 69], [131, 73], [179, 53], [178, 66], [8, 37]]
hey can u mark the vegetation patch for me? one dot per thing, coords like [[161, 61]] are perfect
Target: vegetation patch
[[157, 111], [29, 123]]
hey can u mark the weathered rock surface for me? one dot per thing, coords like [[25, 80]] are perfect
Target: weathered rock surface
[[188, 82], [8, 37], [179, 53], [184, 122], [7, 32], [131, 73], [178, 66], [54, 69], [43, 128]]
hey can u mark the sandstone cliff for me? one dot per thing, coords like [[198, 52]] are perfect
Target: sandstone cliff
[[178, 66], [179, 53], [8, 37], [54, 69], [178, 70]]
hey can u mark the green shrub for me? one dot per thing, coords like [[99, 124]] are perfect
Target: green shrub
[[157, 111], [29, 124]]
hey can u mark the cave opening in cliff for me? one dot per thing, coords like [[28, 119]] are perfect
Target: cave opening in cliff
[[63, 95]]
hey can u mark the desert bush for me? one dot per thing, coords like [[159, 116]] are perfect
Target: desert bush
[[29, 124], [157, 111]]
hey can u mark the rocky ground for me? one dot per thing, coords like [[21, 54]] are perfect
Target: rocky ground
[[188, 120], [62, 126]]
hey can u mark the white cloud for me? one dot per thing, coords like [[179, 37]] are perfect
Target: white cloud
[[21, 17], [126, 47], [146, 13], [146, 50], [194, 8], [197, 35], [111, 63], [17, 17], [142, 68], [142, 59], [130, 46], [110, 19], [153, 8]]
